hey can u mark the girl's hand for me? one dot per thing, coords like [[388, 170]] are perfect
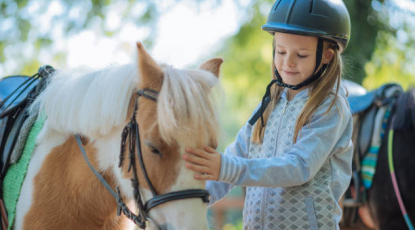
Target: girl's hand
[[205, 162]]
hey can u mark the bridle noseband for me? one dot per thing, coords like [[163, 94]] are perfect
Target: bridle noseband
[[131, 131]]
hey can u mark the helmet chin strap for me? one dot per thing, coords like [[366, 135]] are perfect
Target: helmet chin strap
[[278, 80]]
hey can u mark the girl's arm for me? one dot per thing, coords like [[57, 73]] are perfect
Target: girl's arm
[[324, 136]]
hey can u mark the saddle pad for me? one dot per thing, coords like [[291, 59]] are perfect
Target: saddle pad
[[13, 180], [370, 160]]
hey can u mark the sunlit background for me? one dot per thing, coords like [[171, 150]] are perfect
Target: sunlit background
[[184, 33], [188, 28]]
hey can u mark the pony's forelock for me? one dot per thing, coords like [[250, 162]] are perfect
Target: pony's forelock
[[186, 108]]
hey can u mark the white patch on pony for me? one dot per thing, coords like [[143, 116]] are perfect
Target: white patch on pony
[[108, 150], [48, 140], [183, 214], [178, 212]]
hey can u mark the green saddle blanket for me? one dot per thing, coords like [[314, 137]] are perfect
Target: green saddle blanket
[[16, 173]]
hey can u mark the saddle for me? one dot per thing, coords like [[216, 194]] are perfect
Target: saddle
[[16, 95], [366, 106]]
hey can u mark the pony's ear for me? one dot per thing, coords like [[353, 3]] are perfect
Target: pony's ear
[[150, 72], [213, 66]]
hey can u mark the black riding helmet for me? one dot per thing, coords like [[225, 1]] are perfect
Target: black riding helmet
[[328, 19], [324, 19]]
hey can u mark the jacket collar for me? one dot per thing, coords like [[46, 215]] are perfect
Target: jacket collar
[[303, 94]]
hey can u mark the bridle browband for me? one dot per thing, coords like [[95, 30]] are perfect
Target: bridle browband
[[131, 131]]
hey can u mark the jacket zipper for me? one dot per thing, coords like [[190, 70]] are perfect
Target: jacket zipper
[[264, 197], [285, 108], [279, 125]]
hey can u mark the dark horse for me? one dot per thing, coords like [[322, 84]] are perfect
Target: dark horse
[[380, 201]]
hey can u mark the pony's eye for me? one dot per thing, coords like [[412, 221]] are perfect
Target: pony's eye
[[153, 149]]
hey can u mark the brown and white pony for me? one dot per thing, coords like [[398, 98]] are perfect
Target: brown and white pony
[[61, 192]]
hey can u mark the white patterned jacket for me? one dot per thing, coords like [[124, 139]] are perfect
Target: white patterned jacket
[[291, 186]]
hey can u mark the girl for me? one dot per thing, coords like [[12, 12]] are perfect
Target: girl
[[294, 156]]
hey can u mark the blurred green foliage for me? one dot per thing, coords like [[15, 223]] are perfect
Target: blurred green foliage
[[26, 23], [366, 23], [29, 28], [246, 70], [393, 59]]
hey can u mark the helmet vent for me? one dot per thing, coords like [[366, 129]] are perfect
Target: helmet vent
[[290, 12], [276, 5], [311, 6]]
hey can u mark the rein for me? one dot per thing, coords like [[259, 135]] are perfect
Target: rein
[[395, 182], [131, 131]]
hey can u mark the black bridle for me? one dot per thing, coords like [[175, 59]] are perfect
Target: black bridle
[[131, 132]]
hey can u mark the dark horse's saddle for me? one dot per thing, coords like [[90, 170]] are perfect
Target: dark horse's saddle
[[16, 94], [364, 107]]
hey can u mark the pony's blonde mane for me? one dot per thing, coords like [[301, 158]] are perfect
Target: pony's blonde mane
[[186, 110], [93, 103], [85, 102]]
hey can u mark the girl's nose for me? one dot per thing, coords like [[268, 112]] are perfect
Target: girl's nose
[[289, 61]]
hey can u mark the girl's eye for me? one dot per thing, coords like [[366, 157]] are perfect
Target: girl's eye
[[302, 56], [280, 52]]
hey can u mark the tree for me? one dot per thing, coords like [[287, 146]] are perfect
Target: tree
[[366, 24], [394, 55]]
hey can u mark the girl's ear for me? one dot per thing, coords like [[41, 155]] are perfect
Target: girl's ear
[[328, 56]]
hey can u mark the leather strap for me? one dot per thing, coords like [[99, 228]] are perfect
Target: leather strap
[[121, 206], [171, 196], [97, 174], [4, 219]]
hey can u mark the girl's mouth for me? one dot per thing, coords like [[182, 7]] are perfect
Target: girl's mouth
[[290, 73]]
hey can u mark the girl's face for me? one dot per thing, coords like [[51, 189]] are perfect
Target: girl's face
[[295, 57]]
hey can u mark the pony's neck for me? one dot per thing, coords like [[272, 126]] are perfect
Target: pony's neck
[[66, 184]]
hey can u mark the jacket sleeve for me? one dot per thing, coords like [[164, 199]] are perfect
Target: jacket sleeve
[[318, 140], [239, 148]]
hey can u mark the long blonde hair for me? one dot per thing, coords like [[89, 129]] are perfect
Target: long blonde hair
[[319, 90]]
